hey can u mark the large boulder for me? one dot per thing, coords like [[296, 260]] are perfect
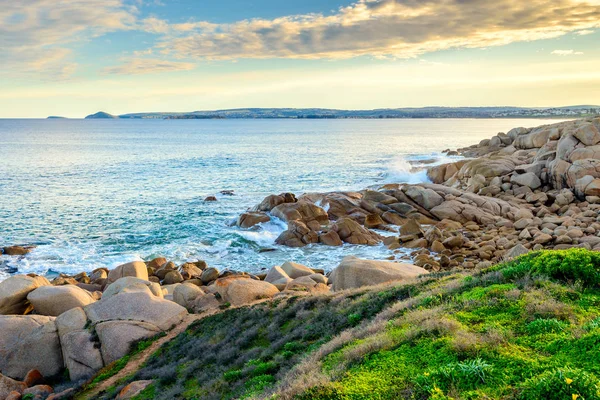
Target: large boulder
[[310, 214], [55, 300], [126, 318], [131, 284], [14, 291], [298, 234], [29, 342], [295, 270], [529, 179], [136, 269], [426, 198], [185, 294], [244, 291], [117, 337], [250, 219], [274, 200], [351, 232], [355, 272], [536, 139], [80, 348], [487, 167], [137, 306], [587, 134]]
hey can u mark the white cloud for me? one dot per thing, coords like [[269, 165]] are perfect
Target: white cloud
[[585, 32], [35, 35], [136, 66], [567, 53], [397, 28]]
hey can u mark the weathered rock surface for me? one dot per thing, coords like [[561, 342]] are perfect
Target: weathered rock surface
[[246, 291], [137, 306], [14, 291], [80, 348], [295, 270], [8, 385], [250, 219], [136, 269], [55, 300], [186, 294], [131, 284], [355, 272], [29, 342], [133, 389]]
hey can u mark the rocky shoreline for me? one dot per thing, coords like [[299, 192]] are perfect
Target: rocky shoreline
[[525, 190]]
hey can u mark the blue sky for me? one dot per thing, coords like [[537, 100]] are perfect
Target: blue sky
[[75, 57]]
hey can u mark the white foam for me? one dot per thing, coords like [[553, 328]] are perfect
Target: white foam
[[265, 233], [412, 169], [402, 171]]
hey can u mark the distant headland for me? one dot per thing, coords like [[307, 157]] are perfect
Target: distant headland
[[325, 113]]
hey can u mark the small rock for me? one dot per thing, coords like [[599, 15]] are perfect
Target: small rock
[[133, 389]]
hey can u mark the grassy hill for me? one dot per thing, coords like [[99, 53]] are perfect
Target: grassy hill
[[526, 329]]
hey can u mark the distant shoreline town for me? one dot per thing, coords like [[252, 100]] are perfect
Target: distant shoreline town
[[323, 113]]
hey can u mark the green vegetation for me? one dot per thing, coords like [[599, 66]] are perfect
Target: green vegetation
[[112, 369], [526, 329]]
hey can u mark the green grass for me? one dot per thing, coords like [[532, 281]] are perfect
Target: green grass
[[527, 329], [114, 368]]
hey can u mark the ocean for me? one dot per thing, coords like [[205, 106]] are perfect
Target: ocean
[[98, 193]]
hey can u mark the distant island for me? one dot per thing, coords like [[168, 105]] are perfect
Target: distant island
[[102, 115], [55, 117], [325, 113]]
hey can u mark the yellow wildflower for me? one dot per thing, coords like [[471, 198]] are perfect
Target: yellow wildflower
[[574, 396], [569, 381]]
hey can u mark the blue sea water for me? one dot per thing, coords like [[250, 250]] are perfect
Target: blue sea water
[[91, 193]]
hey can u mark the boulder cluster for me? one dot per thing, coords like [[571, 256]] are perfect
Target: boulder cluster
[[524, 190], [83, 323]]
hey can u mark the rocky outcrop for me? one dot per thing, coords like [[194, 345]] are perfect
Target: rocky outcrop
[[14, 291], [136, 269], [79, 345], [16, 250], [186, 294], [241, 290], [55, 300], [130, 284], [352, 232], [250, 219], [295, 270], [28, 342], [355, 272]]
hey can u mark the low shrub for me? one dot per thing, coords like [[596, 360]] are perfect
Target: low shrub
[[561, 384], [461, 376], [570, 266], [541, 326]]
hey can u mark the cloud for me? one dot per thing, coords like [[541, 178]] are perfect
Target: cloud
[[38, 36], [585, 32], [148, 66], [155, 25], [35, 35], [379, 28], [567, 53]]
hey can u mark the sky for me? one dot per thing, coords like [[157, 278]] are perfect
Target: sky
[[75, 57]]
